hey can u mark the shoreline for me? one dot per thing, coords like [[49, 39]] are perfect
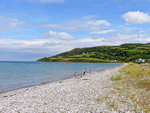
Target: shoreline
[[43, 83], [76, 94], [81, 62]]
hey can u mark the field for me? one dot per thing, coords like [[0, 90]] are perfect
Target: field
[[135, 50]]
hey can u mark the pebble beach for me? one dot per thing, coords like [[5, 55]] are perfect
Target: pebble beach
[[74, 95]]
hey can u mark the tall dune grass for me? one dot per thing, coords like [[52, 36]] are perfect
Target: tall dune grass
[[133, 82]]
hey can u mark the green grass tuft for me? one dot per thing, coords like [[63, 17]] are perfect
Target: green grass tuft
[[117, 77], [85, 79]]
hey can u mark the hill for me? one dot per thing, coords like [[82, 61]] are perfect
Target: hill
[[122, 53]]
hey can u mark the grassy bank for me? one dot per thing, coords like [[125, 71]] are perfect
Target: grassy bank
[[122, 53], [80, 59], [133, 82]]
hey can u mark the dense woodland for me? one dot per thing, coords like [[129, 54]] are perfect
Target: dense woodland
[[122, 53]]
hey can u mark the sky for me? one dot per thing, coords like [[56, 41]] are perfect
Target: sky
[[33, 29]]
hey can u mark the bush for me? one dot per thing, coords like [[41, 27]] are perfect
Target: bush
[[84, 56], [92, 56]]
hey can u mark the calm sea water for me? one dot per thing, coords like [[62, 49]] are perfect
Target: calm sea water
[[17, 74]]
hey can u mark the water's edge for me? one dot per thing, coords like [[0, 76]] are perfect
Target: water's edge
[[43, 83]]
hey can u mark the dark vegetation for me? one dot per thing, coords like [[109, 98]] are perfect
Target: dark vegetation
[[122, 53]]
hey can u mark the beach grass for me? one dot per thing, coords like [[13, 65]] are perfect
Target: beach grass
[[102, 98], [117, 77], [85, 79], [133, 82], [113, 104]]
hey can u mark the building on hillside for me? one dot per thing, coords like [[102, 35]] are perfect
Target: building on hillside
[[143, 60], [112, 60], [140, 60], [92, 52], [83, 53], [59, 56]]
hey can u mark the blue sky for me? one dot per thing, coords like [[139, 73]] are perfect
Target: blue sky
[[33, 29]]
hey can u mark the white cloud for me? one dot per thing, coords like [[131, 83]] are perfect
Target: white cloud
[[61, 35], [99, 22], [86, 23], [136, 17], [8, 23], [102, 32], [44, 1]]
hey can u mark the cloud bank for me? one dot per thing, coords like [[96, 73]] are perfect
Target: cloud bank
[[55, 46]]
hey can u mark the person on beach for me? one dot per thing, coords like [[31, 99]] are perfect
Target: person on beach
[[90, 71], [84, 70], [75, 74]]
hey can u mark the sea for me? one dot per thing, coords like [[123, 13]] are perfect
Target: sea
[[18, 74]]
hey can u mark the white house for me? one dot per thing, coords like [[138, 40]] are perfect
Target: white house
[[140, 60], [143, 60], [113, 60], [92, 52]]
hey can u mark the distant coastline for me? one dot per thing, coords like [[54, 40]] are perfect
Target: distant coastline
[[104, 54]]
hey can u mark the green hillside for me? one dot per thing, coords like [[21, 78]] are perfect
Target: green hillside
[[122, 53]]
